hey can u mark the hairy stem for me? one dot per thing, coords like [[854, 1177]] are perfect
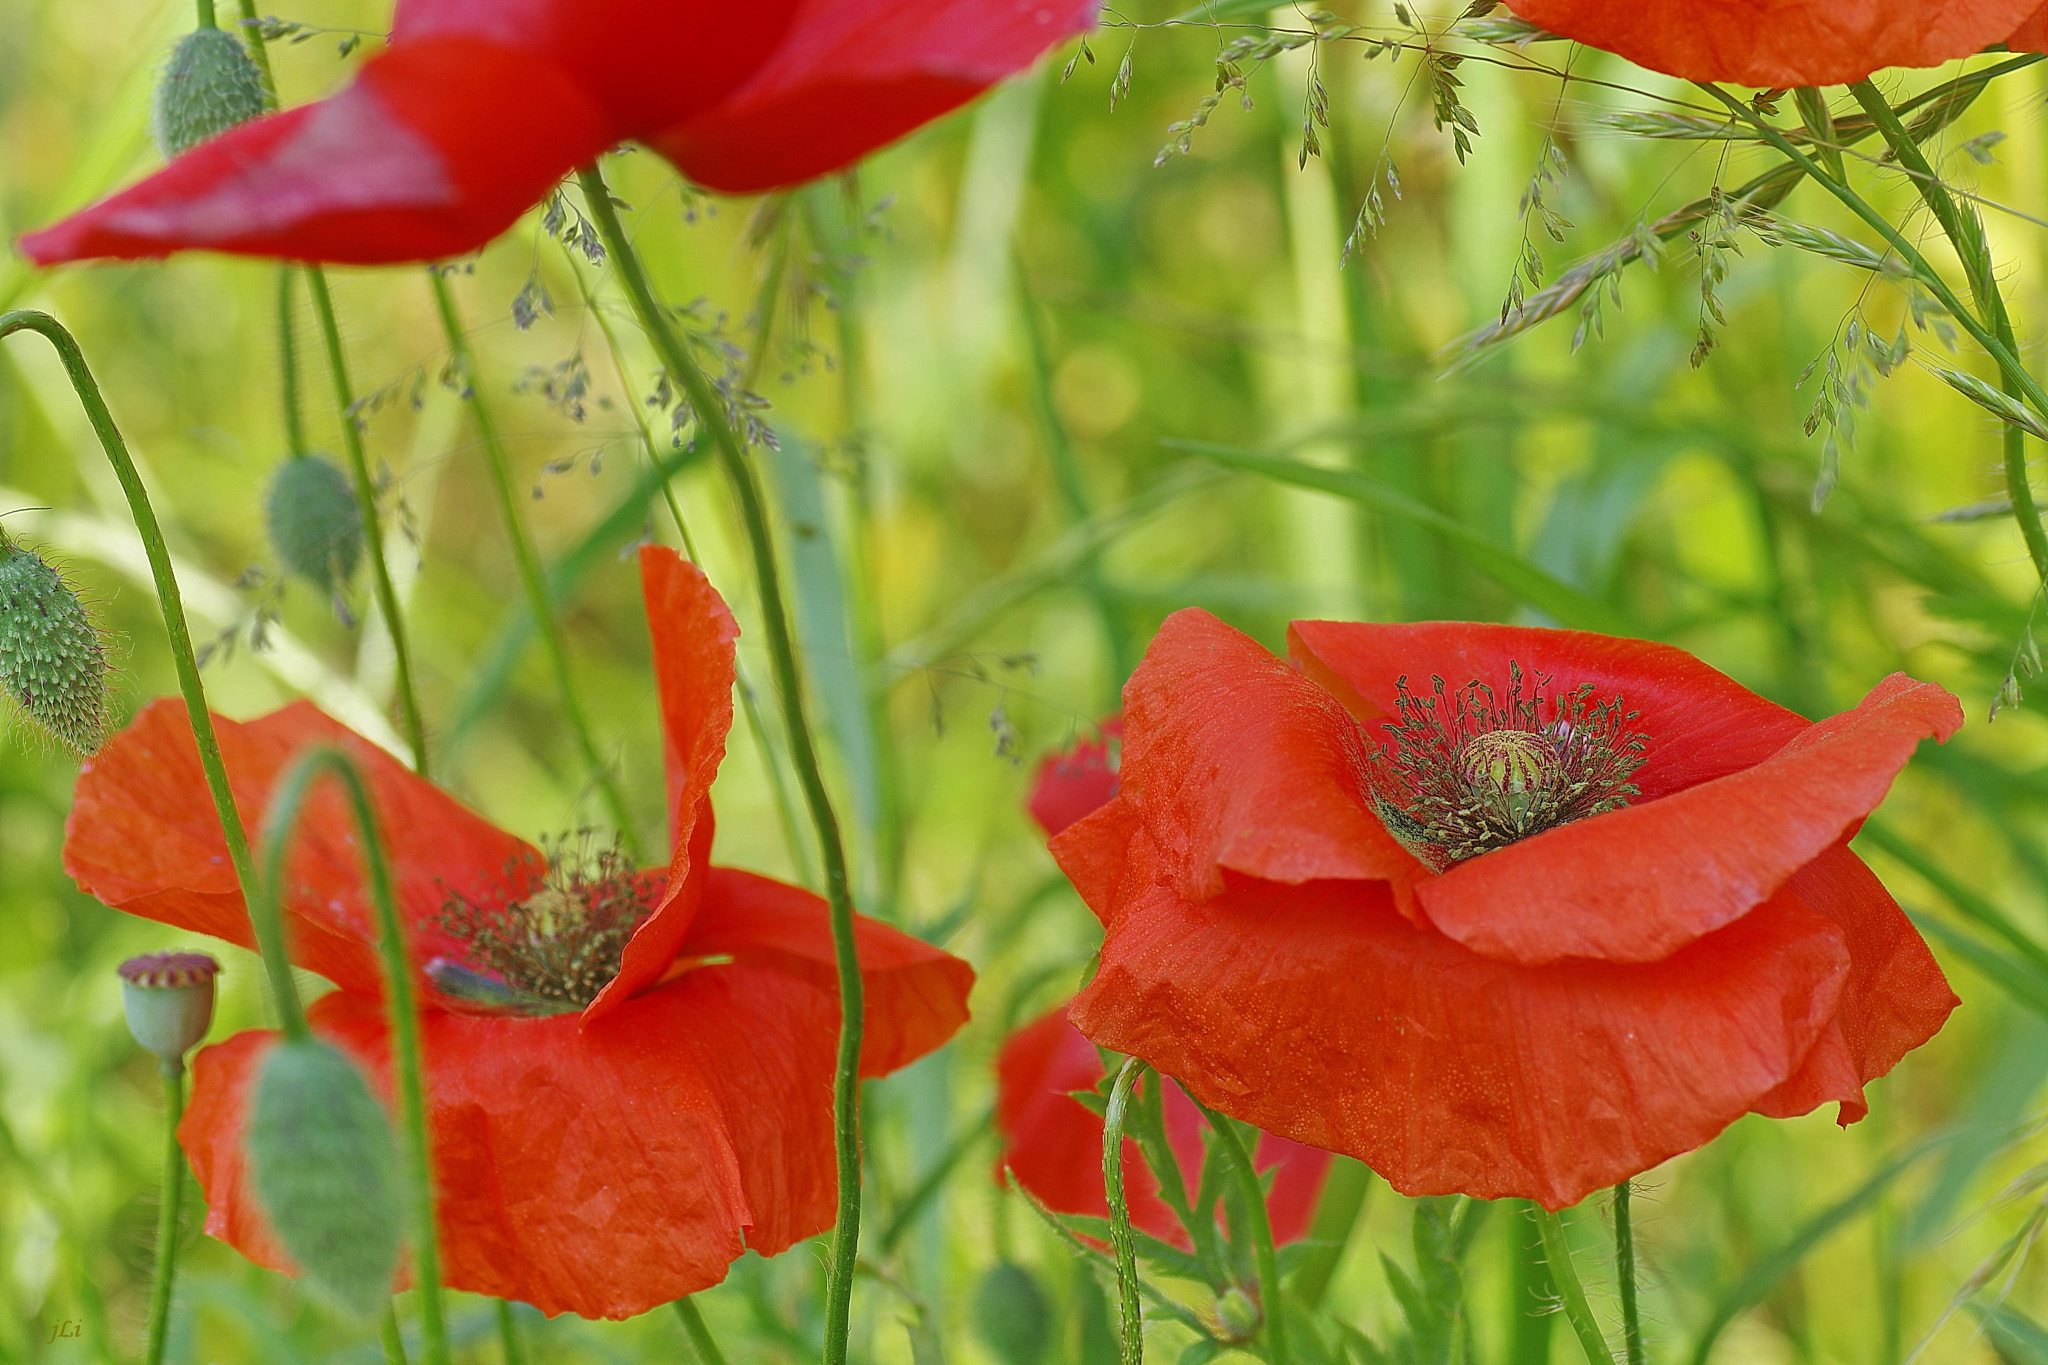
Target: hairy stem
[[1131, 1336], [1570, 1293], [530, 579], [167, 1214], [288, 362], [732, 455], [373, 529], [700, 1335], [1625, 1274]]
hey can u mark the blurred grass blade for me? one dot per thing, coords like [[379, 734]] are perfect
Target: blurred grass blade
[[1965, 900], [2024, 983], [1550, 595], [2017, 1338]]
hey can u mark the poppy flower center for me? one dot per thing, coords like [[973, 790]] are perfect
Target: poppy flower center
[[552, 952], [1467, 771]]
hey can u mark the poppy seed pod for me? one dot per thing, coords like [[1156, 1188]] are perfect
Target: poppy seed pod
[[168, 998], [209, 85], [314, 523], [52, 659]]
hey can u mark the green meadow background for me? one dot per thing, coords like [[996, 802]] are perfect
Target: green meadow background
[[984, 358]]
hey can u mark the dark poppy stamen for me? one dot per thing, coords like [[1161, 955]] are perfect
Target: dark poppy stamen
[[1466, 772], [554, 950]]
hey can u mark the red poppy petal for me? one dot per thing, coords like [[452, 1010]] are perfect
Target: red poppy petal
[[1069, 785], [1636, 884], [1319, 1013], [1780, 43], [1298, 1184], [142, 837], [693, 634], [434, 149], [916, 995], [2031, 36], [1091, 852], [1702, 724], [1896, 997], [1233, 760], [854, 75]]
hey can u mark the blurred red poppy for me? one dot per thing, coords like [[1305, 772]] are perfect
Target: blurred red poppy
[[479, 106], [1070, 784], [1781, 43], [629, 1072], [1053, 1143], [1527, 936]]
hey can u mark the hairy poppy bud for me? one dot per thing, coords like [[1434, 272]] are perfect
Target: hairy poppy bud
[[1011, 1315], [321, 1156], [168, 998], [315, 526], [209, 85], [52, 659], [1237, 1313]]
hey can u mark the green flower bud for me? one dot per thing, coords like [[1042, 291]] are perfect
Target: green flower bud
[[52, 659], [168, 998], [315, 526], [1237, 1313], [209, 85], [1012, 1316]]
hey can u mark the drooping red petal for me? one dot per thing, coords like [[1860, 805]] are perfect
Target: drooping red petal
[[142, 837], [434, 149], [1318, 1012], [693, 670], [915, 994], [1780, 43], [1069, 785], [2032, 34], [851, 76], [1636, 884]]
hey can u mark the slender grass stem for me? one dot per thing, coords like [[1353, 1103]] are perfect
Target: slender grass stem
[[710, 414], [1272, 1310], [373, 529], [531, 580], [1131, 1333], [204, 13], [509, 1344], [259, 52], [700, 1335], [1625, 1274], [1570, 1293], [401, 1005], [167, 1214], [392, 1338]]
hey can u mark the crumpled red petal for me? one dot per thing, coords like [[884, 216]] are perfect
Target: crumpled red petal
[[693, 669], [142, 837], [435, 148], [1069, 785], [1780, 43]]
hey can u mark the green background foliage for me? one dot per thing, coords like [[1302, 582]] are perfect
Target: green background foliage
[[1023, 381]]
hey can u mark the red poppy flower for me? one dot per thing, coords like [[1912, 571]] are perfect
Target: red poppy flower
[[1781, 43], [1069, 785], [479, 106], [602, 1159], [1525, 937], [1054, 1144]]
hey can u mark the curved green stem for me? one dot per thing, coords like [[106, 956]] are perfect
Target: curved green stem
[[373, 529], [2012, 372], [1131, 1336], [1263, 1255], [401, 1006], [508, 1336], [1625, 1274], [709, 409], [523, 555], [699, 1334], [1570, 1293], [167, 1214]]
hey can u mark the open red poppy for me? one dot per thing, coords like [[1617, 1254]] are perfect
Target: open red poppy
[[479, 106], [1781, 43], [600, 1161], [1053, 1143], [1692, 942]]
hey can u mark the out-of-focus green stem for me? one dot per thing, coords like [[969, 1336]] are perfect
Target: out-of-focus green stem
[[1625, 1274], [1131, 1333], [392, 1338], [1570, 1293], [528, 562], [204, 13], [167, 1213], [401, 1005], [699, 1334], [709, 408], [508, 1336], [373, 529], [1271, 1309], [288, 363]]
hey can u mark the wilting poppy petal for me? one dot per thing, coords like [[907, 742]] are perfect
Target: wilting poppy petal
[[854, 75], [142, 837], [1447, 1071], [1780, 43], [433, 150], [1069, 785], [916, 995]]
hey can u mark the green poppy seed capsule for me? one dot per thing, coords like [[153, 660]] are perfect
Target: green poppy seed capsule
[[52, 659], [315, 526], [1237, 1313], [209, 85], [1510, 761], [168, 998], [1011, 1315]]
